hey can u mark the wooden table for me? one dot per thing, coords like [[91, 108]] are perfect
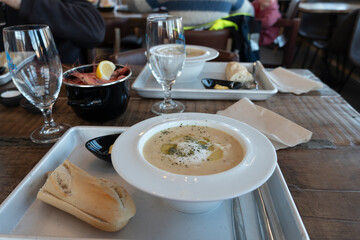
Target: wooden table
[[323, 175], [328, 7], [334, 9]]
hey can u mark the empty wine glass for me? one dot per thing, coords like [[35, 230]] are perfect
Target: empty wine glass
[[165, 48], [36, 70]]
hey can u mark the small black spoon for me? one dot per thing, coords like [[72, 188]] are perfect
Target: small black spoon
[[100, 146]]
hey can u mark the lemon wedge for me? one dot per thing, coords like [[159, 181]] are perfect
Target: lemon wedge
[[110, 149], [105, 69]]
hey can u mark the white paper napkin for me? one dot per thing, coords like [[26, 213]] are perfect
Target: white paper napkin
[[280, 131], [287, 81]]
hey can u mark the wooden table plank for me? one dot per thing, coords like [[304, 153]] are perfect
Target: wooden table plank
[[17, 158], [327, 169], [321, 228]]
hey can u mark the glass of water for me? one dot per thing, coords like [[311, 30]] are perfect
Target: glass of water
[[36, 71], [165, 48]]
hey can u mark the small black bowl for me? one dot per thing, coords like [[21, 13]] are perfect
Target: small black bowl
[[100, 146], [97, 102], [10, 97]]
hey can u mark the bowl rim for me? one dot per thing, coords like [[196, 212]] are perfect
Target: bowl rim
[[19, 95], [94, 86], [210, 54], [255, 171]]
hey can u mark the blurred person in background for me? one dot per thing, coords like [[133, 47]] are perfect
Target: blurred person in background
[[267, 11], [194, 12], [75, 24]]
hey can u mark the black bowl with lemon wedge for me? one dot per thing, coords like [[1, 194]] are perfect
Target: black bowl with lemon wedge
[[98, 92]]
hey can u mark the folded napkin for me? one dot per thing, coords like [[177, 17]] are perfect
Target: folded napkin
[[287, 81], [280, 131]]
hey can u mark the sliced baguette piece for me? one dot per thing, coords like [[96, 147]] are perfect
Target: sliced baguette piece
[[97, 201], [236, 72]]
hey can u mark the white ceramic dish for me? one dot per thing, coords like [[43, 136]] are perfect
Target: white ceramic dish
[[194, 65], [146, 86], [209, 54], [194, 194], [5, 78]]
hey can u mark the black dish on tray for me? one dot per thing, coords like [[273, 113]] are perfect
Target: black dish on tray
[[97, 102], [210, 83], [100, 146], [10, 97]]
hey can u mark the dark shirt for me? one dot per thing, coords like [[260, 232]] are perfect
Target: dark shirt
[[75, 24]]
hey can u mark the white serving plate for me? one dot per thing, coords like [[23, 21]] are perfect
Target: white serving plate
[[146, 85], [24, 217]]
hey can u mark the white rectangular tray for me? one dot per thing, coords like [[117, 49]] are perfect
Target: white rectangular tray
[[146, 86], [23, 216]]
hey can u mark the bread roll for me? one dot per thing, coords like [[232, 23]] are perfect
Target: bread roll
[[234, 71], [97, 201]]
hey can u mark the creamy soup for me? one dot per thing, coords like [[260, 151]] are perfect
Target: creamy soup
[[193, 150], [194, 52]]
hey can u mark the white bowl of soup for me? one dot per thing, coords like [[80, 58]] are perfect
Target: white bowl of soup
[[196, 56], [193, 161]]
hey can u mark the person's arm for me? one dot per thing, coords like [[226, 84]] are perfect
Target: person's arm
[[74, 20]]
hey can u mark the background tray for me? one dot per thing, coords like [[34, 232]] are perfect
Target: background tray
[[22, 216], [146, 85]]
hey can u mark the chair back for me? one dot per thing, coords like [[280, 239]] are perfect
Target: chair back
[[342, 35], [292, 9], [137, 57], [214, 39], [290, 31], [354, 52], [116, 29], [315, 26]]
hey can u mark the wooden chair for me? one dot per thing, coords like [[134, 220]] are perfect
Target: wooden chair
[[354, 51], [137, 57], [343, 45], [220, 39], [313, 27], [118, 35], [289, 27], [112, 34]]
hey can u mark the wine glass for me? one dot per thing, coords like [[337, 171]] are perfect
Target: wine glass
[[165, 49], [36, 70]]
